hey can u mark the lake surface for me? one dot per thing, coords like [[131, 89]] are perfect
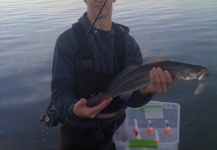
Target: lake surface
[[179, 30]]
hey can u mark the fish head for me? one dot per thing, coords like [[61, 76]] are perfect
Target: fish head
[[191, 72], [198, 72], [202, 74]]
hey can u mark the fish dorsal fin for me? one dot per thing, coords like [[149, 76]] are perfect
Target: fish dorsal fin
[[119, 76], [155, 60]]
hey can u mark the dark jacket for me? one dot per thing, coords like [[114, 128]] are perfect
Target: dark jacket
[[66, 64]]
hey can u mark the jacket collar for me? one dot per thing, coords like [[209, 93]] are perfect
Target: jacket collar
[[86, 24]]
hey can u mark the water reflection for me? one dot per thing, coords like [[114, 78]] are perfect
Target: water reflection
[[179, 30]]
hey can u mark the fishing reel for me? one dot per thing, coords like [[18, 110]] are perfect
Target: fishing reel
[[50, 116]]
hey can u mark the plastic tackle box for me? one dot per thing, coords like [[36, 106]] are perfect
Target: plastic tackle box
[[150, 127]]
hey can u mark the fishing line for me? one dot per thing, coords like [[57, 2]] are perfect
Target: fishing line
[[201, 87], [211, 87]]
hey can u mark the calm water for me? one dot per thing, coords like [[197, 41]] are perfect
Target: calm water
[[179, 30]]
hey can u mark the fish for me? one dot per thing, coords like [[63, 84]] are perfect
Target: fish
[[133, 78]]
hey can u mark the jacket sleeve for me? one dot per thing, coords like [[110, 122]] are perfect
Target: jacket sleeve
[[133, 57], [63, 72]]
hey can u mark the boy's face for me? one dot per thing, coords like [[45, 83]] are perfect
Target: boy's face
[[93, 6]]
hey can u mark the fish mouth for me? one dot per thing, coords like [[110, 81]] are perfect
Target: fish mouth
[[203, 74]]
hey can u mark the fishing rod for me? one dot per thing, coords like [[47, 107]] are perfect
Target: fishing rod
[[50, 116], [91, 27]]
